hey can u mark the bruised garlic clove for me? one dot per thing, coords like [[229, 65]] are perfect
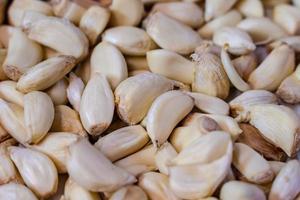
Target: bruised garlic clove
[[122, 142], [163, 157], [8, 92], [38, 114], [67, 120], [131, 192], [58, 92], [251, 8], [230, 18], [286, 184], [274, 69], [75, 90], [164, 30], [97, 105], [289, 90], [215, 8], [22, 54], [71, 42], [37, 170], [120, 15], [279, 124], [104, 55], [55, 145], [186, 12], [93, 22], [241, 190], [171, 65], [251, 164], [46, 73], [156, 185], [245, 65], [288, 17], [72, 191], [238, 41], [130, 40], [159, 121], [134, 95], [15, 191], [90, 169], [139, 162], [210, 77], [137, 63]]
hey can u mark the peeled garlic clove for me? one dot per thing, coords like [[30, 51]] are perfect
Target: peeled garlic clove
[[279, 124], [210, 77], [8, 92], [214, 8], [12, 120], [22, 54], [38, 114], [251, 8], [274, 69], [75, 90], [30, 17], [286, 184], [97, 105], [292, 41], [241, 190], [4, 135], [241, 103], [8, 171], [104, 55], [230, 18], [186, 12], [37, 170], [160, 121], [288, 17], [289, 90], [129, 40], [156, 185], [6, 32], [261, 29], [15, 191], [171, 65], [55, 145], [253, 138], [90, 169], [139, 162], [46, 73], [120, 15], [163, 157], [231, 72], [200, 180], [83, 70], [238, 41], [93, 22], [276, 166], [251, 164], [58, 92], [159, 26], [130, 192], [60, 35], [134, 95], [72, 191], [209, 104], [245, 65], [18, 8], [122, 142], [67, 120], [137, 63]]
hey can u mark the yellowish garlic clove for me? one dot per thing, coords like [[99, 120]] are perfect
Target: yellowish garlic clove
[[131, 192], [58, 92], [55, 145], [67, 120], [97, 105], [163, 157], [159, 26], [75, 90], [9, 93], [157, 186], [250, 8], [15, 191], [215, 8], [90, 169], [106, 54], [3, 53], [37, 170], [72, 191], [136, 63], [122, 142], [245, 65], [83, 70]]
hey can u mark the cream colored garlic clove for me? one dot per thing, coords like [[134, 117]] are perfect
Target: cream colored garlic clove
[[15, 191], [122, 142], [130, 192], [90, 169], [75, 90], [163, 157], [58, 92], [73, 191], [276, 166], [30, 17], [37, 170], [251, 8], [215, 8], [172, 35], [8, 171], [9, 93], [97, 105], [245, 65]]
